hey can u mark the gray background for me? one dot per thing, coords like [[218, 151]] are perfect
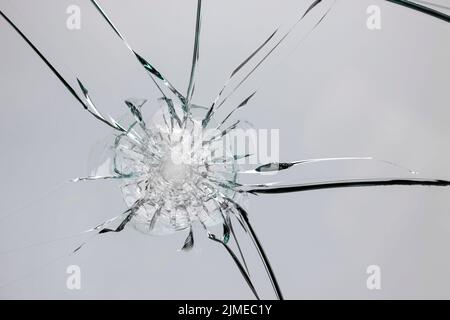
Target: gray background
[[345, 91]]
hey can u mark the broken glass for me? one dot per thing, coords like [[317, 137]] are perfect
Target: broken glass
[[177, 164]]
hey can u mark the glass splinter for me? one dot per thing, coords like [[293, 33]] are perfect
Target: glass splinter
[[171, 174]]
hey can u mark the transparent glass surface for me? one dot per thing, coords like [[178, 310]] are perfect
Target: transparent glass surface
[[359, 176]]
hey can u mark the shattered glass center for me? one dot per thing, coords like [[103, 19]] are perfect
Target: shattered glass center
[[175, 172]]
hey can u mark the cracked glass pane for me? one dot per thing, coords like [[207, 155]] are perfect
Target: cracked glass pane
[[216, 125]]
